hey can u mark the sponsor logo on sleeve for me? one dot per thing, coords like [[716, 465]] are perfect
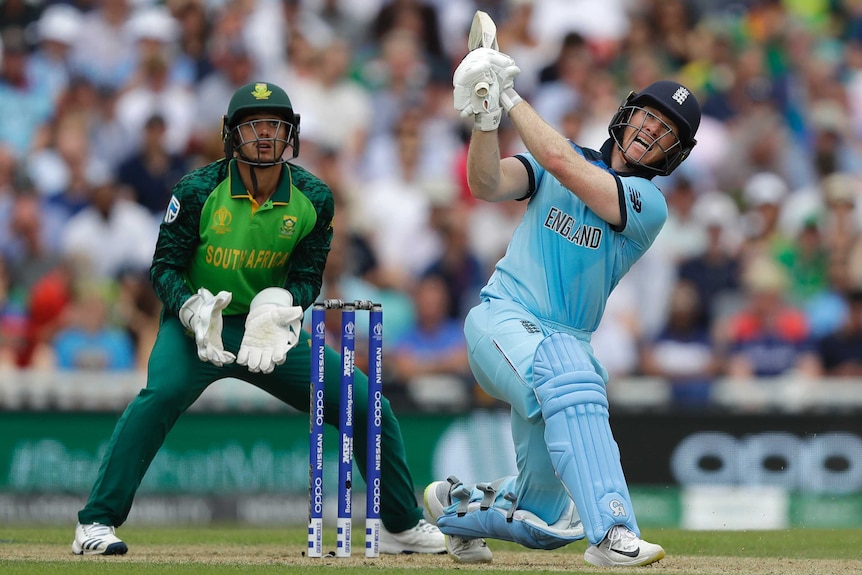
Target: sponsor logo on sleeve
[[173, 210]]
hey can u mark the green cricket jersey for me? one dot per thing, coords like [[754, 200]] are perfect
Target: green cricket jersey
[[214, 235]]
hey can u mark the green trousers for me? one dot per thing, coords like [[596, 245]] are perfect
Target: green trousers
[[176, 378]]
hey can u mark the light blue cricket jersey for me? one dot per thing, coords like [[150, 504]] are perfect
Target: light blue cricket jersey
[[563, 260]]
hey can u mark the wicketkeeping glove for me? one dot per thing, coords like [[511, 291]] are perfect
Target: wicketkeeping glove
[[201, 314], [271, 330]]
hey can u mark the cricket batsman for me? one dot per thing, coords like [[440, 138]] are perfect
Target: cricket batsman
[[239, 257], [590, 215]]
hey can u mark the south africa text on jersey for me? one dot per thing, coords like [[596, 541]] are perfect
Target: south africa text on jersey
[[231, 258]]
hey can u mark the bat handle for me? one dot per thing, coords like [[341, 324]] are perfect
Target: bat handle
[[481, 89]]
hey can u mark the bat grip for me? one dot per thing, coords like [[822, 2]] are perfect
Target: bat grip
[[481, 89]]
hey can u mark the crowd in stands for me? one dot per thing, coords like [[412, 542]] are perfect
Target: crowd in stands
[[105, 104]]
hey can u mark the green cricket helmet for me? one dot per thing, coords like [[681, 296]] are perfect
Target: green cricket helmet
[[258, 98]]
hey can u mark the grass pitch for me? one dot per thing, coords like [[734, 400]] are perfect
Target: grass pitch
[[239, 550]]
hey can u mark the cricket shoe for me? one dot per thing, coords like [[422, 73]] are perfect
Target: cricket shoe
[[97, 539], [437, 499], [622, 548], [422, 538]]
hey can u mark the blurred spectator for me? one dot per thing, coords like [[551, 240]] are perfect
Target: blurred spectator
[[842, 196], [564, 83], [110, 235], [430, 360], [47, 305], [345, 19], [615, 341], [232, 68], [683, 235], [517, 38], [683, 352], [61, 171], [49, 68], [105, 52], [194, 31], [827, 310], [156, 34], [768, 337], [833, 148], [153, 171], [89, 341], [763, 195], [673, 23], [840, 353], [155, 93], [395, 75], [25, 105], [13, 321], [420, 20], [760, 141], [138, 312], [18, 14], [336, 109], [457, 265], [29, 251], [396, 211], [715, 273], [806, 261], [490, 228]]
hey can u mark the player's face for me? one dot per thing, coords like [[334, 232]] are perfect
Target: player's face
[[263, 137], [649, 137]]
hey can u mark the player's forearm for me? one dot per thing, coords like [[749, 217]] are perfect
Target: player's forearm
[[483, 165], [170, 287]]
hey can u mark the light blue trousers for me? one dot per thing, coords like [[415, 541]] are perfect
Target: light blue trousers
[[502, 339]]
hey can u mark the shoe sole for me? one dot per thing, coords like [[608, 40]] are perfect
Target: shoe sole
[[112, 549], [598, 559]]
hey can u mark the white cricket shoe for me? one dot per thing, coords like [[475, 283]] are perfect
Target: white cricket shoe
[[422, 538], [622, 548], [97, 539], [462, 550]]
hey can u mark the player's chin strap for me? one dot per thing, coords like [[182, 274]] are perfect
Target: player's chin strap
[[253, 175], [491, 510]]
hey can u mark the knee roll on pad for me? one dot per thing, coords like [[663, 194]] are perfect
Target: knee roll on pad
[[583, 452]]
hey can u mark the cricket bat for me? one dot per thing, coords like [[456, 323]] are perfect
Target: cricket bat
[[483, 34]]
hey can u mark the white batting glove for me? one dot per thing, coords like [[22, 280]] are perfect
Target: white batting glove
[[509, 98], [201, 314], [271, 330], [496, 69]]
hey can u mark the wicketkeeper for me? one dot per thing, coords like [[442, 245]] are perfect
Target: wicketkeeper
[[240, 256]]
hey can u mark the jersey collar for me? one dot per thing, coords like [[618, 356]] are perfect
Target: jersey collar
[[282, 192]]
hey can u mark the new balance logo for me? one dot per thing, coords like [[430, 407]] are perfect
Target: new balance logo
[[680, 95]]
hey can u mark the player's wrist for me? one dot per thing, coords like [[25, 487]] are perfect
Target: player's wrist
[[509, 98], [487, 121]]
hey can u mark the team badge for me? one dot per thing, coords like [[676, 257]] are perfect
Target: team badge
[[261, 91], [288, 227], [173, 210]]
